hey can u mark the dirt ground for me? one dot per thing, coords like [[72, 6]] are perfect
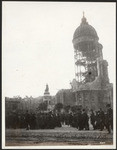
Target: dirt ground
[[56, 137]]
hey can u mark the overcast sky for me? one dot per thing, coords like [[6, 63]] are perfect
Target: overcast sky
[[37, 43]]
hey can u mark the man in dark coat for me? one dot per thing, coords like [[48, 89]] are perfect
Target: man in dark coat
[[27, 120], [109, 118], [32, 121], [102, 119], [79, 120], [85, 119], [70, 119], [97, 120]]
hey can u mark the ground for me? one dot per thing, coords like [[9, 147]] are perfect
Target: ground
[[57, 136]]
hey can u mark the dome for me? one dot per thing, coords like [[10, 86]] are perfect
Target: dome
[[85, 30]]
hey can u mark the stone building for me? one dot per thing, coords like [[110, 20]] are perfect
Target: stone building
[[91, 85], [65, 96]]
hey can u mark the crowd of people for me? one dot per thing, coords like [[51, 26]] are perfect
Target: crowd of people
[[82, 120]]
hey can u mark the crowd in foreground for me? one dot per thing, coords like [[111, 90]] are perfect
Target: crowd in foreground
[[97, 120]]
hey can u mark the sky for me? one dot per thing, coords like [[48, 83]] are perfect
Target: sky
[[37, 43]]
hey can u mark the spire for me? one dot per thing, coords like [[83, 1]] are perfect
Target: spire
[[84, 20], [47, 89]]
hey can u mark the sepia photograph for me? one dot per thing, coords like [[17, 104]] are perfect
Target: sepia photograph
[[58, 75]]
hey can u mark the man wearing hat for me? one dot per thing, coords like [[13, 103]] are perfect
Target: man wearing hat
[[109, 118]]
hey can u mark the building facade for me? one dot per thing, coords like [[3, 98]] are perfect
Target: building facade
[[91, 85], [66, 97]]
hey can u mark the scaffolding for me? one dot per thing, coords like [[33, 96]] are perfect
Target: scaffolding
[[85, 57]]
